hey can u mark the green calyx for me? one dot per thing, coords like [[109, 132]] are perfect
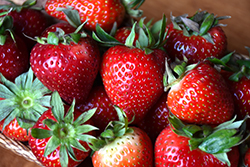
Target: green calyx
[[237, 64], [132, 7], [18, 8], [217, 141], [198, 24], [25, 100], [175, 72], [113, 130], [65, 131], [59, 36], [147, 39]]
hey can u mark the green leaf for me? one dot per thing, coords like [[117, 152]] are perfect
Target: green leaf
[[52, 38], [10, 85], [41, 133], [220, 141], [64, 159], [25, 123], [87, 138], [130, 39], [2, 39], [72, 15], [5, 92], [50, 123], [52, 144], [206, 24], [7, 106], [10, 117], [190, 130], [85, 129], [69, 118], [84, 117], [108, 134], [71, 152], [57, 106], [143, 39], [76, 144]]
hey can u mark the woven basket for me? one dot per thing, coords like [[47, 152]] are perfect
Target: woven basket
[[18, 148]]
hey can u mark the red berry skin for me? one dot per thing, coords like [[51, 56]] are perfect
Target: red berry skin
[[195, 48], [52, 160], [156, 119], [105, 110], [14, 131], [103, 12], [14, 58], [173, 150], [69, 69], [201, 97], [247, 158], [132, 80]]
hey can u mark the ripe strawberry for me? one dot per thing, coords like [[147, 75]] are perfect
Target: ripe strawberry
[[132, 76], [62, 138], [69, 64], [105, 112], [22, 103], [121, 145], [156, 119], [14, 56], [28, 20], [103, 12], [196, 37], [191, 145], [236, 69], [200, 95]]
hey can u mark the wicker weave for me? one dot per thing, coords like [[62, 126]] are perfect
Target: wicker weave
[[18, 148]]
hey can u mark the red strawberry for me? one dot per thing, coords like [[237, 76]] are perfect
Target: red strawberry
[[121, 145], [200, 95], [196, 38], [62, 139], [156, 119], [236, 69], [69, 68], [105, 112], [102, 12], [192, 145], [132, 76], [22, 103], [14, 56], [28, 20]]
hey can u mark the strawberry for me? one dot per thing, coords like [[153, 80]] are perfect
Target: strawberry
[[156, 119], [62, 138], [200, 95], [121, 145], [189, 145], [14, 56], [132, 75], [103, 12], [69, 64], [196, 37], [22, 103], [28, 20], [236, 71], [105, 112]]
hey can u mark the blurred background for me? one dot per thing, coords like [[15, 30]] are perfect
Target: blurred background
[[237, 31]]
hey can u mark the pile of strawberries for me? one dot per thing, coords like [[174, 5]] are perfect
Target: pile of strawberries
[[102, 87]]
